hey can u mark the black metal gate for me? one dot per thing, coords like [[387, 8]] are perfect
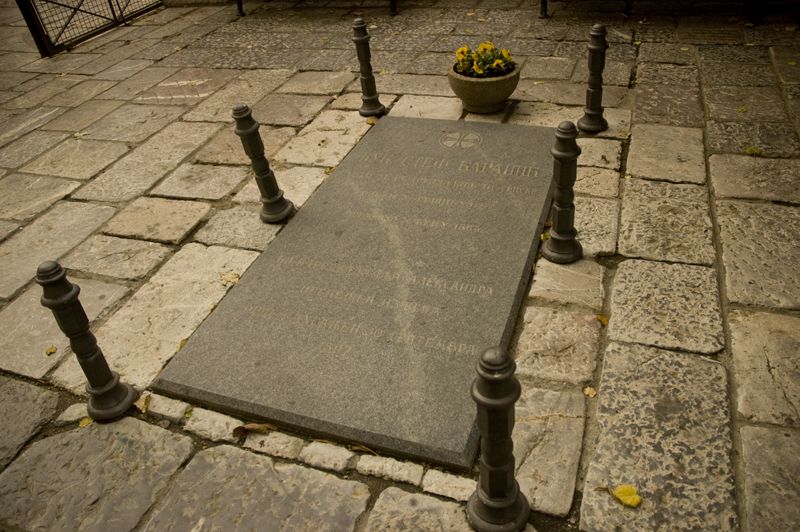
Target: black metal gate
[[61, 24]]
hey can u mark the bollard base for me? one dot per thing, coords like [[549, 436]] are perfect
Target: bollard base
[[592, 123], [375, 108], [112, 402], [478, 511], [276, 210], [562, 251]]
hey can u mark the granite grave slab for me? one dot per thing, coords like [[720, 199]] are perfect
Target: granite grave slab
[[363, 320]]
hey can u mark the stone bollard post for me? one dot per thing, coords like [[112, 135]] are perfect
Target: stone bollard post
[[497, 504], [592, 120], [371, 105], [274, 207], [108, 396], [562, 247]]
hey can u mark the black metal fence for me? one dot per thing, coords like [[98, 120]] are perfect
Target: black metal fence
[[61, 24]]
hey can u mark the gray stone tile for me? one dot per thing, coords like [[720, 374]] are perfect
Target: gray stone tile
[[578, 50], [601, 182], [122, 467], [759, 243], [666, 74], [297, 183], [765, 366], [20, 124], [744, 104], [47, 238], [547, 445], [288, 110], [433, 63], [226, 147], [212, 425], [167, 408], [269, 495], [390, 469], [201, 181], [742, 176], [448, 485], [786, 60], [760, 139], [249, 88], [772, 473], [679, 54], [557, 345], [238, 227], [564, 93], [667, 153], [123, 258], [666, 104], [141, 81], [42, 94], [148, 163], [551, 115], [31, 329], [7, 229], [276, 444], [663, 426], [614, 73], [317, 82], [74, 96], [13, 79], [662, 221], [704, 33], [734, 54], [597, 222], [158, 219], [428, 107], [410, 84], [77, 158], [149, 328], [127, 50], [124, 69], [547, 68], [327, 456], [25, 408], [737, 75], [134, 123], [186, 87], [601, 153], [578, 283], [326, 140], [26, 148], [25, 196], [82, 116], [351, 101], [396, 509], [72, 414], [666, 305]]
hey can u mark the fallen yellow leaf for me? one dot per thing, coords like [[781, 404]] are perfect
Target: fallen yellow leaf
[[143, 403], [362, 448], [742, 109], [372, 120], [589, 392], [792, 63], [182, 343], [329, 170], [50, 350], [627, 495], [752, 150], [229, 278], [85, 422], [545, 236], [603, 319], [261, 428]]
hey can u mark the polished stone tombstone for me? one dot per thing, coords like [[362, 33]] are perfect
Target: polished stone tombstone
[[364, 318]]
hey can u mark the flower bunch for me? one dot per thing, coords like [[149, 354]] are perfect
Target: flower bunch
[[487, 61]]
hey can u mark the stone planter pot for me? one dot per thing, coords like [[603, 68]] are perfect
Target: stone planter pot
[[484, 95]]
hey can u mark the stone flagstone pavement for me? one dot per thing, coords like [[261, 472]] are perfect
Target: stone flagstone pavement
[[669, 358]]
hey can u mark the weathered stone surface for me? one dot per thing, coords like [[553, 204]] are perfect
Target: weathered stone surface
[[269, 496], [137, 83], [326, 140], [742, 176], [18, 125], [238, 227], [145, 165], [759, 245], [113, 57], [212, 425], [44, 93], [564, 93], [661, 221], [47, 238], [397, 510], [744, 104], [447, 485], [772, 477], [601, 153], [25, 408], [148, 329], [663, 426], [249, 88], [766, 366], [614, 73], [317, 82], [275, 444], [165, 407], [201, 181], [547, 446], [24, 196], [666, 74], [23, 150], [124, 69], [428, 107], [390, 469], [352, 101], [558, 345], [80, 93], [134, 123], [666, 305], [121, 467], [83, 116], [123, 258], [720, 74], [679, 54], [288, 109], [753, 138], [597, 221], [786, 59], [667, 153], [327, 456], [187, 86], [31, 328], [410, 84], [77, 158], [667, 104], [7, 229], [551, 115], [297, 183], [734, 54], [71, 414], [158, 219], [580, 283], [547, 68], [226, 148]]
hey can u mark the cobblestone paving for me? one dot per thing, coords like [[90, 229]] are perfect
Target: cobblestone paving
[[668, 358]]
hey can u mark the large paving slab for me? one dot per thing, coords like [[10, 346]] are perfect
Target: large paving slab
[[668, 105], [25, 408], [666, 305], [580, 283], [760, 253], [77, 158], [771, 459], [667, 153], [123, 258], [159, 219], [17, 125], [150, 327], [766, 366], [663, 426], [248, 88], [767, 139], [47, 238], [268, 495], [390, 258], [25, 196], [83, 116], [201, 181], [31, 331], [398, 510], [121, 468], [597, 223], [134, 123], [238, 227], [23, 150], [742, 176], [187, 87]]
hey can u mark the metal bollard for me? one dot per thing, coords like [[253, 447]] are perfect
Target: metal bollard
[[108, 396], [497, 504], [274, 207], [562, 247], [371, 105], [592, 120]]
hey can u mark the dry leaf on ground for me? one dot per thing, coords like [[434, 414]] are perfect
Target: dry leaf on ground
[[261, 428], [627, 495]]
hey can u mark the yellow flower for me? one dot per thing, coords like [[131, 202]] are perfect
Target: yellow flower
[[461, 53], [477, 68], [487, 46], [497, 64], [506, 54]]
